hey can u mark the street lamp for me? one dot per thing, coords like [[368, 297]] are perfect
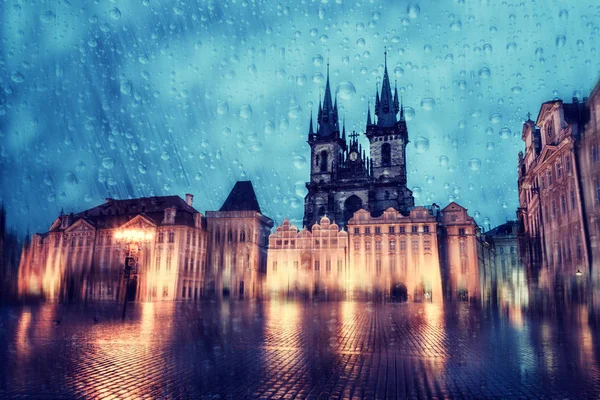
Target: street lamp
[[132, 241]]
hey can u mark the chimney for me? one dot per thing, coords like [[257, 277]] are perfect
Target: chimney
[[189, 199]]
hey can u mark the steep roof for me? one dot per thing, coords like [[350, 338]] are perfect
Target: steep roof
[[114, 213], [241, 198]]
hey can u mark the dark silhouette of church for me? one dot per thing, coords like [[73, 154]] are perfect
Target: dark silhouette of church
[[343, 179]]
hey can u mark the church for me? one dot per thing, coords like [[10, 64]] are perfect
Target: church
[[343, 178], [362, 234]]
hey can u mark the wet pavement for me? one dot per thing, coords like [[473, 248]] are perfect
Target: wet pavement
[[287, 350]]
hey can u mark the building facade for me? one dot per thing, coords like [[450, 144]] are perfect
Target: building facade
[[343, 179], [559, 191], [82, 255]]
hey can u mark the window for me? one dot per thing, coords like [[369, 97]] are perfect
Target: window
[[188, 238], [185, 262], [558, 170], [568, 164], [402, 229], [229, 236], [378, 245], [161, 237], [403, 245], [427, 245], [550, 178], [157, 266], [317, 265], [415, 246], [594, 154], [242, 236], [194, 239], [169, 261], [392, 229], [414, 229], [378, 230], [356, 245], [461, 231], [323, 161], [563, 204], [378, 265], [597, 191], [100, 240], [356, 231], [426, 229], [392, 245], [386, 154], [501, 250], [192, 264], [367, 231], [572, 199], [553, 209], [368, 245], [543, 182], [549, 129], [171, 237]]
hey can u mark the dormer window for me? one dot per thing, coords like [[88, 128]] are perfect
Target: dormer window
[[549, 129]]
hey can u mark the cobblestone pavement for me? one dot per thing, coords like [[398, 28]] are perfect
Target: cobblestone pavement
[[296, 350]]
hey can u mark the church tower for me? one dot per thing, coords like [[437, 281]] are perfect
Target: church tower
[[388, 138], [327, 147], [343, 179]]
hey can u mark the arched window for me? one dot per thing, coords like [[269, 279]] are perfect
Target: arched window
[[323, 161], [229, 236], [242, 235], [386, 154]]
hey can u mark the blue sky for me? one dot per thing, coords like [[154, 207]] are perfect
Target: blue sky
[[145, 97]]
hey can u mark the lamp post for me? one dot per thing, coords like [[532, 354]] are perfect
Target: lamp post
[[132, 241]]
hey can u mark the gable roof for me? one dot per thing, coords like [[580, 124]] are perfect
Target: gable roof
[[241, 198]]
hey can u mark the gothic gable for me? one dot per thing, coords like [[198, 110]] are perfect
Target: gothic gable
[[139, 222], [81, 225]]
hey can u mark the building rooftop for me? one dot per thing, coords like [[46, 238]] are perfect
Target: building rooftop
[[241, 198]]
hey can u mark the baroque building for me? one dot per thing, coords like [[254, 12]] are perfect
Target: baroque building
[[343, 179], [185, 255], [559, 191]]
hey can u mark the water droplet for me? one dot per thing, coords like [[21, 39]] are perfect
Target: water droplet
[[301, 80], [269, 127], [511, 47], [417, 192], [505, 133], [165, 156], [485, 73], [245, 111], [299, 162], [563, 14], [422, 144], [516, 89], [346, 90], [318, 60], [71, 179], [456, 26], [409, 113], [360, 42], [17, 77], [294, 112], [115, 13], [222, 108], [561, 40], [126, 88], [108, 162], [474, 164], [490, 146], [413, 10], [48, 17], [318, 77], [444, 161], [495, 118], [398, 72], [428, 104]]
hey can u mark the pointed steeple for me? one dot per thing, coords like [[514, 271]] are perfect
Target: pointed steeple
[[344, 130], [310, 128], [385, 109], [369, 123], [396, 103], [327, 102], [328, 115], [401, 110]]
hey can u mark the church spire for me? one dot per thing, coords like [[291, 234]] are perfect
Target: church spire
[[344, 130], [369, 114], [384, 110], [328, 118], [396, 103], [401, 110], [310, 128]]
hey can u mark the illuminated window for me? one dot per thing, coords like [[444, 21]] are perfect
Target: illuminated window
[[368, 245], [415, 246], [403, 245], [171, 237], [356, 245], [161, 237], [392, 245], [378, 245], [158, 261], [427, 245]]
